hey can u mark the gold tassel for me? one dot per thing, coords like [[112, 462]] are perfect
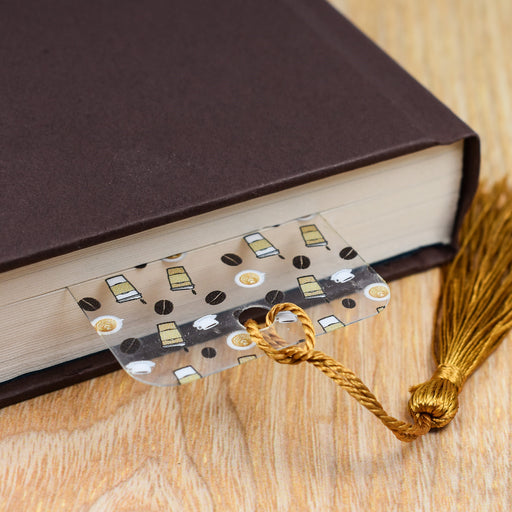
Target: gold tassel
[[475, 306], [474, 314]]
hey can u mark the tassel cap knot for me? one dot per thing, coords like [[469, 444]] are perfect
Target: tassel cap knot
[[437, 399], [450, 373]]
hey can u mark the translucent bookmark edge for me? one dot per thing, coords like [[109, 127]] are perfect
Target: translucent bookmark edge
[[166, 321]]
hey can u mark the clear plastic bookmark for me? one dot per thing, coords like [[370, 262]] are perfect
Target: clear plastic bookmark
[[181, 318]]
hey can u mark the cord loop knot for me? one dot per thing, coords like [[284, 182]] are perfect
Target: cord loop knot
[[438, 397], [294, 354]]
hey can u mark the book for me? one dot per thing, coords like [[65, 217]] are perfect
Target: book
[[129, 136]]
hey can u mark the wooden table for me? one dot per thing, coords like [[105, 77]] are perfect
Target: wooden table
[[269, 437]]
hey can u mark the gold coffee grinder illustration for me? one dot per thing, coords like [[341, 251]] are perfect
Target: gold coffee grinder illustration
[[261, 247], [123, 290], [312, 236], [311, 288], [246, 359], [330, 323], [170, 336], [186, 374], [179, 279]]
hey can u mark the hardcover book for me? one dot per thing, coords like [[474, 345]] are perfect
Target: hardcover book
[[130, 133]]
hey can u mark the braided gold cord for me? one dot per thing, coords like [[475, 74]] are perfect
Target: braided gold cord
[[344, 377], [474, 316]]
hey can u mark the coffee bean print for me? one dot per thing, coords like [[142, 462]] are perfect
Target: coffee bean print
[[274, 297], [348, 253], [208, 352], [130, 346], [215, 297], [348, 303], [301, 262], [163, 307], [233, 260], [89, 304]]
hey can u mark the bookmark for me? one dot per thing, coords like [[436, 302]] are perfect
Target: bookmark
[[181, 318], [188, 315]]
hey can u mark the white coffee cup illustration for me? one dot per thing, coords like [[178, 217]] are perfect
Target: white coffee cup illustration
[[240, 340], [175, 257], [343, 275], [249, 278], [140, 367], [206, 322], [377, 291], [107, 324]]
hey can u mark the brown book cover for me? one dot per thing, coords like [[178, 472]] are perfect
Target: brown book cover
[[117, 118]]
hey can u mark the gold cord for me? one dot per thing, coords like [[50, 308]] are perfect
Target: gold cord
[[344, 377], [474, 315]]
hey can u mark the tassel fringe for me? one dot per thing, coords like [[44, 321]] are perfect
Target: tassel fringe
[[475, 306]]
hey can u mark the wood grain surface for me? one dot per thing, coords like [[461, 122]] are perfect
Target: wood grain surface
[[270, 437]]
